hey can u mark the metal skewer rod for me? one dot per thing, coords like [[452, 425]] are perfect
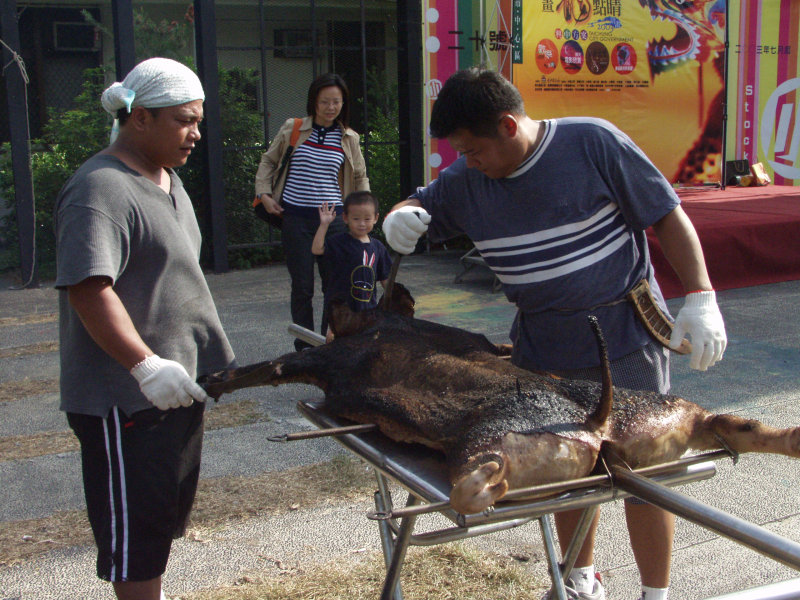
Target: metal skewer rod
[[318, 433], [550, 489], [308, 336], [757, 538], [387, 293]]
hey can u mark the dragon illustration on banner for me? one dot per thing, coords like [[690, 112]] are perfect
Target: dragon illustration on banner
[[683, 35], [698, 39]]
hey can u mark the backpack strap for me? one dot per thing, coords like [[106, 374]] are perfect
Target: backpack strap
[[295, 132]]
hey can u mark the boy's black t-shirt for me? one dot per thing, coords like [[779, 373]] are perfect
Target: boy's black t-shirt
[[354, 270]]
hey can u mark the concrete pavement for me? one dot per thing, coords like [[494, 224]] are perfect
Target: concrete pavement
[[759, 377]]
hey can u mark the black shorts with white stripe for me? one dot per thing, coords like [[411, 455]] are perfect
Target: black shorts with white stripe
[[140, 477]]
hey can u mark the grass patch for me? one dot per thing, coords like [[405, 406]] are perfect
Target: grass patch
[[40, 348], [29, 319], [231, 499], [219, 502], [445, 572], [22, 388], [22, 540], [19, 447], [234, 414]]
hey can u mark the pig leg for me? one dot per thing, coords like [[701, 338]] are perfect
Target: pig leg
[[523, 460], [481, 487], [314, 366], [745, 435]]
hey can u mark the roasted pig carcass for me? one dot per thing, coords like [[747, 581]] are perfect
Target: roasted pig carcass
[[500, 427]]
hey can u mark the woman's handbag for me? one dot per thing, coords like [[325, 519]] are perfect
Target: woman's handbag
[[276, 221]]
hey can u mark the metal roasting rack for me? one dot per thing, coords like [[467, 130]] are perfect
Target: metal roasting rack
[[422, 473]]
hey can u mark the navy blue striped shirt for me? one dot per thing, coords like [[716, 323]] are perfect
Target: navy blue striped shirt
[[565, 235], [314, 172]]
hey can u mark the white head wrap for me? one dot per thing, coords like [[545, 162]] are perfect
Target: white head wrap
[[153, 83]]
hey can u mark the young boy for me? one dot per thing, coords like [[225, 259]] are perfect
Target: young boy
[[356, 261]]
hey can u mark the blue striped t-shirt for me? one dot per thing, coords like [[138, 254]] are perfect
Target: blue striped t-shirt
[[565, 235]]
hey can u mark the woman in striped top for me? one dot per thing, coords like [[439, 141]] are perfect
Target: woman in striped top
[[326, 165]]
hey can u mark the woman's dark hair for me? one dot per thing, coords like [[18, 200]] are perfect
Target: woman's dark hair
[[359, 198], [473, 99], [327, 80]]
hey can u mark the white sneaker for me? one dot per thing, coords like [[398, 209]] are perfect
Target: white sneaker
[[598, 592]]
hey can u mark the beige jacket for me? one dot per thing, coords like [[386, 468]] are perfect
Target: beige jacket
[[352, 176]]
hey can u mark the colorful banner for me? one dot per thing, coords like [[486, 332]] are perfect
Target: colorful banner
[[457, 34], [763, 82], [655, 69], [440, 48]]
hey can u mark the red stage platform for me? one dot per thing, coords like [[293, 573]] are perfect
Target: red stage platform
[[750, 236]]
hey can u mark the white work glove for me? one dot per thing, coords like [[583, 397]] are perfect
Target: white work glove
[[166, 383], [403, 227], [701, 319]]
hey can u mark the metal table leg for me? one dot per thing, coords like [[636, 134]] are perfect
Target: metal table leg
[[383, 502], [401, 542], [578, 537], [546, 524]]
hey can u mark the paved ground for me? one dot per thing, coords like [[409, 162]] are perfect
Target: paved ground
[[760, 377]]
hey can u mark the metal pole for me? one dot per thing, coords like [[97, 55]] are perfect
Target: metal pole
[[17, 98], [545, 523], [552, 489], [124, 53], [308, 336], [383, 502], [262, 33], [410, 78], [784, 590], [212, 148], [725, 100], [578, 538], [398, 554], [365, 103], [759, 539]]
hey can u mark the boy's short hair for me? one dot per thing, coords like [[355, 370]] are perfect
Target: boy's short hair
[[359, 198], [473, 99]]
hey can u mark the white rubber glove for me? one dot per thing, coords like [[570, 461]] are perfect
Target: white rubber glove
[[403, 227], [166, 383], [701, 319]]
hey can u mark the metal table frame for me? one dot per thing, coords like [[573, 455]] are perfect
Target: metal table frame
[[421, 472], [472, 259]]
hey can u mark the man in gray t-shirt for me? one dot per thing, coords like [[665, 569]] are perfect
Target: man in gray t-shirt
[[558, 210], [137, 325]]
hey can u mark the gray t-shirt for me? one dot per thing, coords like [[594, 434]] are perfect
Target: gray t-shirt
[[111, 221], [565, 235]]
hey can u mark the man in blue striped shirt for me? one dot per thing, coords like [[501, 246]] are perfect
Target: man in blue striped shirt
[[558, 209]]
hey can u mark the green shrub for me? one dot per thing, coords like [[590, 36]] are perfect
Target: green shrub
[[383, 154]]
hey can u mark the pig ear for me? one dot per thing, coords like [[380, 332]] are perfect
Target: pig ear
[[344, 322], [402, 301]]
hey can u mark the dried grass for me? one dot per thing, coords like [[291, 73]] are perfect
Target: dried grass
[[219, 502], [40, 348], [230, 499], [22, 388], [29, 319], [234, 414], [19, 447], [446, 572], [22, 540]]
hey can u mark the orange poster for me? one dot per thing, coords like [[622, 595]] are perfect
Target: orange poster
[[654, 69]]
